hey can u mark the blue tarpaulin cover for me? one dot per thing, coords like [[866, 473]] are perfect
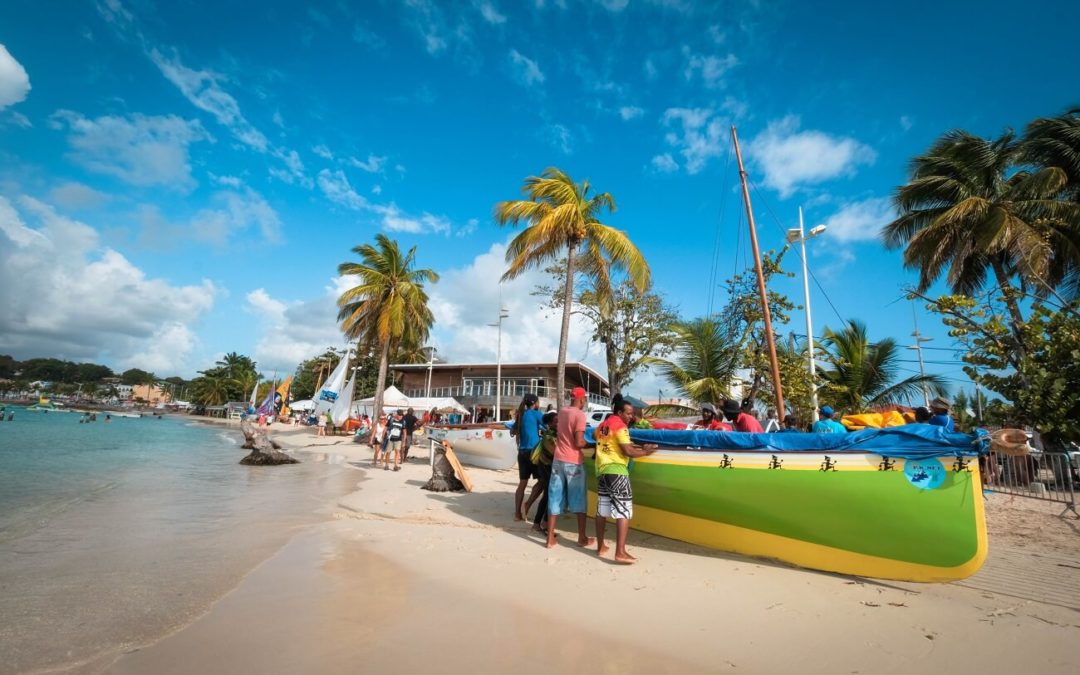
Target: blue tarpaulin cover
[[911, 441]]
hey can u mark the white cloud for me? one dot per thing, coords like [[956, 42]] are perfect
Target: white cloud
[[665, 163], [323, 151], [906, 123], [335, 185], [559, 137], [227, 181], [295, 330], [234, 214], [711, 68], [372, 164], [203, 89], [14, 82], [467, 298], [139, 150], [526, 71], [376, 189], [860, 220], [74, 195], [629, 112], [698, 135], [294, 169], [69, 297], [488, 10], [791, 159]]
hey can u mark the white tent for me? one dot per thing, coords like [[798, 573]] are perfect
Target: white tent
[[306, 404], [440, 404], [392, 398]]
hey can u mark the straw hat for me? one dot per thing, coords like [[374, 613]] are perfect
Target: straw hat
[[1012, 442]]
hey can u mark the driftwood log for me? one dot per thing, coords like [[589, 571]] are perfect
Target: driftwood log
[[442, 475], [263, 450]]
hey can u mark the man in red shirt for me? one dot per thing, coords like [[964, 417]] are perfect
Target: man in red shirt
[[708, 420], [742, 422], [566, 488]]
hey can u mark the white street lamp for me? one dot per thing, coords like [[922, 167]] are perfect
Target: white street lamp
[[797, 235], [431, 362], [503, 313]]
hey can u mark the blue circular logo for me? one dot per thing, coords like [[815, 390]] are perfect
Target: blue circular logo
[[925, 474]]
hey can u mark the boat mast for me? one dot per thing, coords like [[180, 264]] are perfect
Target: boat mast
[[775, 365]]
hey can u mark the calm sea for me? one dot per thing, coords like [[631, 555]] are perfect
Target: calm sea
[[113, 534]]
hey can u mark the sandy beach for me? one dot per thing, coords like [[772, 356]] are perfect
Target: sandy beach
[[401, 579]]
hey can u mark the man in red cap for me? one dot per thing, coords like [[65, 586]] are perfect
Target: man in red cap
[[566, 490]]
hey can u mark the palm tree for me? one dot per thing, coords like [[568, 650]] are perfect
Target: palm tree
[[562, 216], [704, 363], [388, 305], [211, 390], [863, 373], [963, 211]]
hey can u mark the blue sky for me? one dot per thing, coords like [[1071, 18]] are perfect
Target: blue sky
[[181, 179]]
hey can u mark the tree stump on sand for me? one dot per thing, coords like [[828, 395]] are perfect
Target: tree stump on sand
[[263, 450], [442, 475]]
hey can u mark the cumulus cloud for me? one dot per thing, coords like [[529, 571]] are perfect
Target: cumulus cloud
[[232, 215], [139, 150], [203, 88], [629, 112], [14, 82], [665, 163], [69, 297], [790, 158], [73, 195], [698, 134], [860, 220], [526, 71], [467, 298], [295, 330]]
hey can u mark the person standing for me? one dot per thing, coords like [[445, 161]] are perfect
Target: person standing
[[827, 425], [708, 420], [614, 493], [395, 433], [739, 419], [378, 433], [772, 424], [566, 491], [544, 457], [321, 421], [526, 430], [410, 420]]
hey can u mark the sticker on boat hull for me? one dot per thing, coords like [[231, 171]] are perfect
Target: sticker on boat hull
[[925, 474]]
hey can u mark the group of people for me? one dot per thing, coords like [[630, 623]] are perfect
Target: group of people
[[392, 436], [550, 449]]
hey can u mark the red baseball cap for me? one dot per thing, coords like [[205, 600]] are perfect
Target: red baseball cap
[[578, 392]]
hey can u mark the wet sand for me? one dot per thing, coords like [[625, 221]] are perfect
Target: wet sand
[[405, 579]]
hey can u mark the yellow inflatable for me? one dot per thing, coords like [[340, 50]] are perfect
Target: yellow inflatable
[[861, 421]]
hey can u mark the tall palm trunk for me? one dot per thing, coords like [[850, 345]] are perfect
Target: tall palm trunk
[[564, 337], [384, 362]]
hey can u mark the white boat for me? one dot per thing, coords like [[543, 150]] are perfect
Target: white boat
[[339, 411], [489, 446], [331, 389]]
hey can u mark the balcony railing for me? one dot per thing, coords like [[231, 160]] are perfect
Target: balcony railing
[[512, 392]]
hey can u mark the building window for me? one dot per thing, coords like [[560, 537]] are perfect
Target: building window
[[467, 388]]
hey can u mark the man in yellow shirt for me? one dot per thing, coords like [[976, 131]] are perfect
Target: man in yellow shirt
[[616, 499]]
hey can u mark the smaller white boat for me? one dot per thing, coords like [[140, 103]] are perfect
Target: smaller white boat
[[488, 446]]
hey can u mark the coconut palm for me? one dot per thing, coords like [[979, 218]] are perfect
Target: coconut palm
[[862, 374], [704, 361], [563, 218], [211, 389], [388, 303], [965, 212]]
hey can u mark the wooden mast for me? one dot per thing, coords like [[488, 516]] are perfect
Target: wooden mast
[[775, 365]]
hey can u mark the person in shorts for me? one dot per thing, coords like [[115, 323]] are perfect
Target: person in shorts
[[526, 430], [613, 490], [566, 489], [395, 434], [410, 420]]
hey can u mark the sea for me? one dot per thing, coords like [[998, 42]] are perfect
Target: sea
[[116, 533]]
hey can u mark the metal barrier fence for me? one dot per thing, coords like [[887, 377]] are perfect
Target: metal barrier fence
[[1047, 476]]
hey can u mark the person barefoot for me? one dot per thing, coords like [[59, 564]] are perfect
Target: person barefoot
[[526, 430], [615, 498], [566, 490]]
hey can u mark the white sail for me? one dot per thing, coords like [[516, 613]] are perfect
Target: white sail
[[331, 389], [339, 412]]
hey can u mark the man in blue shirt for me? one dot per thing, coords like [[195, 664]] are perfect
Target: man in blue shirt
[[526, 430], [939, 408], [827, 425]]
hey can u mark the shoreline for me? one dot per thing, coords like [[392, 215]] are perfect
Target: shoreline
[[397, 566]]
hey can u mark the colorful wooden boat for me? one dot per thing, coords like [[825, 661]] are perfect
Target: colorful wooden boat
[[489, 446], [890, 508]]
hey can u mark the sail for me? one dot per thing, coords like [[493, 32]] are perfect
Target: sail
[[267, 407], [326, 396], [340, 410], [281, 401]]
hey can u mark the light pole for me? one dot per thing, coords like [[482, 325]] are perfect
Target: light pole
[[431, 362], [503, 313], [797, 235], [919, 339]]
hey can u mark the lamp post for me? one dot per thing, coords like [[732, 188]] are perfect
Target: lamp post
[[797, 235], [503, 313], [919, 339], [431, 362]]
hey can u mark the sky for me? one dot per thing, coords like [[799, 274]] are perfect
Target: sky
[[181, 179]]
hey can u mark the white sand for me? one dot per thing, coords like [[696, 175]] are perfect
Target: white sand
[[405, 579]]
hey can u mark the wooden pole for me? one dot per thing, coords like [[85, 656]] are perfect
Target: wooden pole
[[773, 362]]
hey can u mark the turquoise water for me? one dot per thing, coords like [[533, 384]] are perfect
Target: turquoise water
[[115, 533]]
